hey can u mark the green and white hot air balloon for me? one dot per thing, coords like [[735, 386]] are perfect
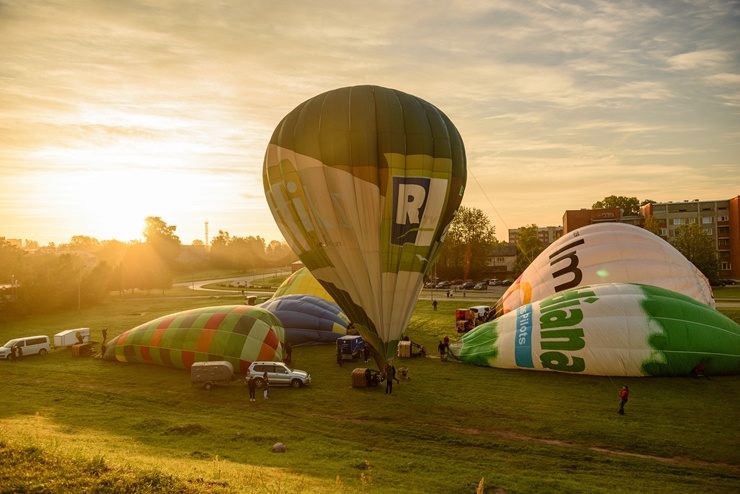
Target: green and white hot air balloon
[[615, 329], [363, 182]]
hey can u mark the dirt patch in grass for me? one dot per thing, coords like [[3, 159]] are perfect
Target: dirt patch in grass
[[514, 436]]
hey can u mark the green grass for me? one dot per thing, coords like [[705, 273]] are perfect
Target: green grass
[[84, 425]]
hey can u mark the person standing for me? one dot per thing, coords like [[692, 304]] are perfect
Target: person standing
[[19, 351], [434, 304], [390, 375], [442, 351], [12, 353], [366, 352], [251, 385], [288, 354], [266, 381], [624, 395]]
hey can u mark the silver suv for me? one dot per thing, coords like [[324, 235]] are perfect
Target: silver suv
[[279, 374]]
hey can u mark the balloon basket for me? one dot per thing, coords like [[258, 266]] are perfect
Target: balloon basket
[[365, 378]]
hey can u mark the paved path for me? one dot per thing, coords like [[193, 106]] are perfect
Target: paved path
[[468, 297]]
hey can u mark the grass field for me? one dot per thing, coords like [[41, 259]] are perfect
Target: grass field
[[84, 425]]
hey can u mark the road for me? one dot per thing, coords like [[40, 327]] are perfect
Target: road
[[489, 296]]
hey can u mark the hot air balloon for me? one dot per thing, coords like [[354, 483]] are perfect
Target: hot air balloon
[[613, 329], [302, 282], [238, 334], [606, 253], [363, 183], [308, 319]]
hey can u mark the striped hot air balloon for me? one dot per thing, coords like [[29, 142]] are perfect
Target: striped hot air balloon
[[239, 334], [363, 183]]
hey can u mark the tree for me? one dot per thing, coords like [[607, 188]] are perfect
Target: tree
[[528, 247], [280, 254], [630, 206], [163, 240], [698, 247], [652, 225], [465, 248], [84, 243]]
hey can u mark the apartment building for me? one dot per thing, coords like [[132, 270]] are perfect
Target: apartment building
[[546, 234], [578, 218], [720, 219]]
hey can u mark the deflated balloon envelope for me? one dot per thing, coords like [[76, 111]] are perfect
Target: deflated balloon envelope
[[614, 329], [363, 182], [606, 253], [239, 334], [302, 282], [308, 319]]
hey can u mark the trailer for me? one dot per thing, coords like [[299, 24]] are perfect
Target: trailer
[[70, 337], [209, 373]]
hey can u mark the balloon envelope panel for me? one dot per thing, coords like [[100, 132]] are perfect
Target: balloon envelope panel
[[609, 329], [363, 182], [308, 319], [606, 253], [302, 282], [238, 334]]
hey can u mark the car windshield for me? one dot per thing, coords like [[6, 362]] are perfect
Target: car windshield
[[10, 344]]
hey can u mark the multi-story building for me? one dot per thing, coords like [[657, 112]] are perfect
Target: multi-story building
[[720, 219], [546, 234], [501, 261], [575, 219]]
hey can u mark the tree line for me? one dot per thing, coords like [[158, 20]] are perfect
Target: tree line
[[87, 270]]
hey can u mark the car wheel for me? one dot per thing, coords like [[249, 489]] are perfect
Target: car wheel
[[259, 382], [207, 385], [42, 351], [296, 383]]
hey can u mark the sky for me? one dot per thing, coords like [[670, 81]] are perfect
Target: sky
[[113, 111]]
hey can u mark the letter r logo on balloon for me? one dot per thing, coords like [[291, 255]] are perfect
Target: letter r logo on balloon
[[417, 206]]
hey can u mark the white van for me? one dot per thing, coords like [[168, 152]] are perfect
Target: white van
[[31, 345]]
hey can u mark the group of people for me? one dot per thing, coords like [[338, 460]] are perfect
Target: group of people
[[16, 352], [252, 386]]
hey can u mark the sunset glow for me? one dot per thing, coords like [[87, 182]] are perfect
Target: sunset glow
[[113, 112]]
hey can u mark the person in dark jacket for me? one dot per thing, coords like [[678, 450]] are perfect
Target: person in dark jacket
[[390, 376], [252, 386]]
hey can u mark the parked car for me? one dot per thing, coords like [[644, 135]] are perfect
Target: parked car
[[481, 286], [444, 284], [30, 345], [431, 284], [458, 282], [278, 374], [468, 285], [507, 282], [481, 312], [494, 282]]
